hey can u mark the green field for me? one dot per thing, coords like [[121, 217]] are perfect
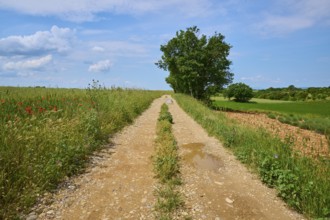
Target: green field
[[317, 108], [313, 116], [47, 135]]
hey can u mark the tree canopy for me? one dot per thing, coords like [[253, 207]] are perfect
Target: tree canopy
[[198, 66], [240, 91]]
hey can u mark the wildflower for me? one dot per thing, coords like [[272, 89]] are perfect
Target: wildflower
[[28, 110], [41, 109], [3, 101], [20, 103], [275, 156]]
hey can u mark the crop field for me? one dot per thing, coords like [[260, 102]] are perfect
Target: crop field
[[316, 108], [47, 134], [313, 116]]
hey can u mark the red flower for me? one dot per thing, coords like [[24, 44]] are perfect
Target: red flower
[[3, 101], [55, 108], [20, 103], [28, 110]]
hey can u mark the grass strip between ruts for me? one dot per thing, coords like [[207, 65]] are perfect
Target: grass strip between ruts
[[166, 168]]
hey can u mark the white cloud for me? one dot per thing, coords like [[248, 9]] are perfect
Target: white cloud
[[32, 64], [42, 42], [86, 10], [290, 15], [120, 48], [260, 78], [101, 66], [280, 25], [98, 49]]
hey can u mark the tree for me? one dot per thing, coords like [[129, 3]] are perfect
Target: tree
[[198, 66], [240, 91]]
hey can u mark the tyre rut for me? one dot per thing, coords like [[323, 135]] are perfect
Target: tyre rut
[[229, 192]]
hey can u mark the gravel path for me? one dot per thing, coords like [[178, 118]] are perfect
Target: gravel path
[[121, 183], [216, 185]]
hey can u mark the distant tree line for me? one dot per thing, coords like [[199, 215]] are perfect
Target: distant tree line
[[292, 93]]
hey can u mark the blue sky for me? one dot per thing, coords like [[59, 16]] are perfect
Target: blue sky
[[68, 43]]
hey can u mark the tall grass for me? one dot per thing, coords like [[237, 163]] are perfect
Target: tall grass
[[302, 182], [47, 134], [166, 167]]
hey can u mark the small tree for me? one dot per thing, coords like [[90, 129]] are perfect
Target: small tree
[[240, 91], [198, 65]]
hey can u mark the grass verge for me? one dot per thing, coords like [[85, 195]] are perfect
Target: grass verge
[[47, 135], [302, 182], [166, 168]]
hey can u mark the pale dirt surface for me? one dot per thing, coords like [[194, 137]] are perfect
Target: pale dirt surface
[[121, 183], [229, 192], [305, 141]]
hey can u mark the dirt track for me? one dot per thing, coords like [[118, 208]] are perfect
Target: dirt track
[[121, 184]]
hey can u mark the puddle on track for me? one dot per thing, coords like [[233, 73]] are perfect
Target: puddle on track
[[199, 159]]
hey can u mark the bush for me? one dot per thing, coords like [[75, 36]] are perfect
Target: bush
[[240, 91]]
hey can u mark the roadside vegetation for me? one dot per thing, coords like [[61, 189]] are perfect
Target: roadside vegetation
[[313, 116], [47, 134], [167, 168], [303, 182]]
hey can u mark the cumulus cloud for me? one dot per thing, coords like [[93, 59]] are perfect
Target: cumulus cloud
[[31, 64], [42, 42], [101, 66], [86, 10]]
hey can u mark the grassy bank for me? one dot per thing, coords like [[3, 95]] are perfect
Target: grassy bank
[[302, 182], [166, 168], [47, 134]]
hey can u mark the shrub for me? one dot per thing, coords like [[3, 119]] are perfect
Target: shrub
[[240, 92]]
